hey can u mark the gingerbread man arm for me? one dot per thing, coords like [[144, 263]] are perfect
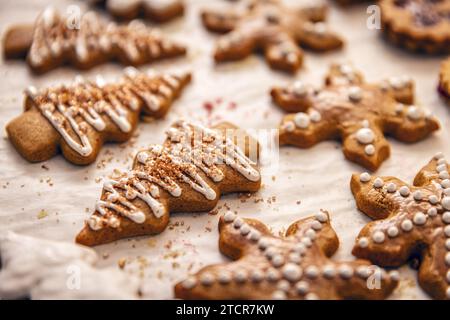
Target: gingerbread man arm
[[79, 119], [184, 175], [316, 36], [292, 267], [343, 74], [221, 21], [17, 41]]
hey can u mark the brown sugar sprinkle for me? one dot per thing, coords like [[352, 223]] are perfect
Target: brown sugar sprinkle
[[175, 265], [42, 214], [122, 263], [105, 255], [213, 212], [44, 166], [298, 202], [208, 229]]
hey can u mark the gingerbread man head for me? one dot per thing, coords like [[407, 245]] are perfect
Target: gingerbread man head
[[273, 28], [412, 220], [357, 113], [296, 266]]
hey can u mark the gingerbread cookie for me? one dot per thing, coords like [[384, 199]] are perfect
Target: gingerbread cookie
[[272, 27], [155, 10], [44, 269], [417, 25], [187, 174], [444, 80], [297, 266], [411, 221], [356, 112], [55, 40], [79, 118]]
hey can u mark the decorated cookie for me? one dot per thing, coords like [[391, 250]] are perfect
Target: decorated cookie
[[297, 266], [272, 27], [417, 25], [76, 120], [55, 40], [356, 112], [187, 174], [444, 80], [411, 220], [44, 269], [155, 10]]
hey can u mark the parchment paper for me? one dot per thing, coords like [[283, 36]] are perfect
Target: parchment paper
[[52, 199]]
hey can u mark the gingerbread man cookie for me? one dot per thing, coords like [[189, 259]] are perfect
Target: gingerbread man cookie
[[45, 269], [410, 221], [55, 40], [155, 10], [297, 266], [354, 111], [444, 80], [272, 27], [79, 118], [187, 174], [417, 25]]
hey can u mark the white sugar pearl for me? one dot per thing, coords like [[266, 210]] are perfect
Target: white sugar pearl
[[355, 94], [445, 183], [240, 276], [302, 287], [306, 241], [315, 116], [273, 275], [279, 295], [363, 272], [447, 231], [295, 257], [369, 149], [404, 191], [245, 229], [378, 237], [312, 272], [321, 217], [433, 199], [299, 89], [378, 183], [438, 156], [365, 123], [270, 252], [310, 233], [207, 279], [263, 243], [446, 203], [447, 258], [444, 175], [407, 225], [432, 212], [312, 296], [224, 278], [229, 216], [345, 271], [346, 69], [447, 244], [417, 195], [283, 285], [189, 283], [446, 217], [277, 261], [447, 191], [302, 120], [365, 136], [316, 225], [329, 271], [414, 113], [289, 126], [419, 219], [299, 248], [392, 232], [391, 187], [394, 275], [364, 177], [441, 161], [291, 272], [255, 235], [257, 276], [363, 242], [238, 222], [441, 167]]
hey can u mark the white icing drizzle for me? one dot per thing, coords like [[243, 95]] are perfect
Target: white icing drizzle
[[197, 149], [72, 110]]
